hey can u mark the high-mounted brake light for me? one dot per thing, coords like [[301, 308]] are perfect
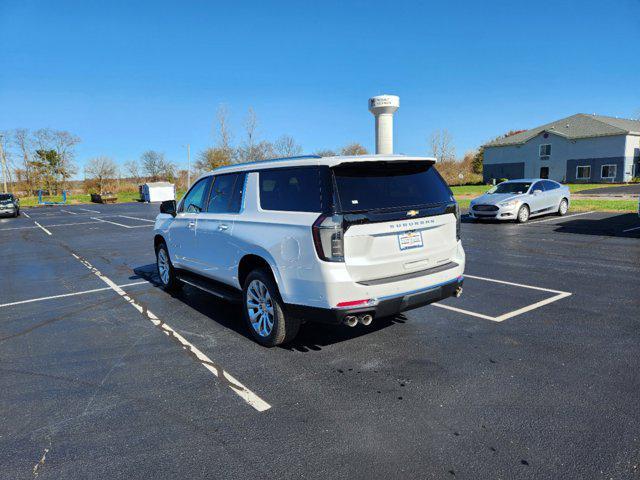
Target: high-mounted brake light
[[328, 238]]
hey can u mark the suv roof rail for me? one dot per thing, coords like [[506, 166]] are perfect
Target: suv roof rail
[[268, 160]]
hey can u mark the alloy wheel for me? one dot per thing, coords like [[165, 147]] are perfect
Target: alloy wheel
[[163, 266], [260, 308]]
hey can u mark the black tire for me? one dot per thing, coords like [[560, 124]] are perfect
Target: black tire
[[284, 327], [563, 209], [170, 281], [523, 214]]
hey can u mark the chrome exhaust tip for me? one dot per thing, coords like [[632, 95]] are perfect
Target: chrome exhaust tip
[[458, 292], [351, 320], [366, 319]]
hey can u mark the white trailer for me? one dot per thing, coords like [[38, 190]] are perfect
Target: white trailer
[[157, 192]]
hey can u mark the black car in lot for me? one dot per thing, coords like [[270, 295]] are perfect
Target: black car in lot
[[9, 205]]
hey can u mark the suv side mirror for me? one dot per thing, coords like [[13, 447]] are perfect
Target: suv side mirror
[[168, 206], [537, 192]]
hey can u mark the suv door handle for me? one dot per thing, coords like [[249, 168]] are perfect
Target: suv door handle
[[192, 224], [222, 227]]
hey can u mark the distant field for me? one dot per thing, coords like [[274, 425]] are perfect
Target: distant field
[[123, 197]]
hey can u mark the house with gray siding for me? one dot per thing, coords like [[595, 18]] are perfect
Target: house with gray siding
[[579, 148]]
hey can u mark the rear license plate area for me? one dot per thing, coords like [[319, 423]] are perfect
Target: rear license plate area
[[410, 240]]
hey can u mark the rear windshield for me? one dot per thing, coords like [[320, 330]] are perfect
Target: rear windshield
[[5, 196], [512, 187], [389, 185]]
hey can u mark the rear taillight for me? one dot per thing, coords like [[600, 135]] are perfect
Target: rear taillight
[[458, 221], [328, 238]]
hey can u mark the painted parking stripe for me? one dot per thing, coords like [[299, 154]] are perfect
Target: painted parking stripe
[[119, 224], [138, 218], [558, 219], [44, 229], [238, 388], [53, 225], [559, 295], [88, 210], [69, 212], [26, 214], [65, 295], [513, 284], [630, 229], [466, 312]]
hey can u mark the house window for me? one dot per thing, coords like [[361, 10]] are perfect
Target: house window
[[545, 151], [583, 172], [609, 172]]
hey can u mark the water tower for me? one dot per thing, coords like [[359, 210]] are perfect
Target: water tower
[[383, 107]]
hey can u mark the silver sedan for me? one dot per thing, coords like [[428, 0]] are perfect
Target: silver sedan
[[521, 199]]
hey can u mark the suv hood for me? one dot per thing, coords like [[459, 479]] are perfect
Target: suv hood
[[495, 198]]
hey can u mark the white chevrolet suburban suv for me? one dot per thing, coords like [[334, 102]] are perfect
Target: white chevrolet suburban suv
[[341, 240]]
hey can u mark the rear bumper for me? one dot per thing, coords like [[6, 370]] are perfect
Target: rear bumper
[[386, 306]]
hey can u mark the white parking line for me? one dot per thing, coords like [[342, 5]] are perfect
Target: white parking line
[[119, 224], [87, 210], [137, 218], [51, 226], [631, 229], [238, 388], [45, 230], [64, 295], [558, 219], [559, 294], [26, 214], [69, 212]]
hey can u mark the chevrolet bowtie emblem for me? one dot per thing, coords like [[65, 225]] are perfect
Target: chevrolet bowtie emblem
[[412, 213]]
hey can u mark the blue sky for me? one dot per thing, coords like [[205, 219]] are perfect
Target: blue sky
[[127, 76]]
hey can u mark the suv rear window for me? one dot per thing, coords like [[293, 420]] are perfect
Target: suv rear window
[[291, 189], [388, 185]]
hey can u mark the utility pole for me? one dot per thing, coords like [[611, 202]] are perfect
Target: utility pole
[[3, 159]]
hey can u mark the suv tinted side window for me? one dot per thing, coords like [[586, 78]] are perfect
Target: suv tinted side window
[[291, 189], [226, 193], [194, 200]]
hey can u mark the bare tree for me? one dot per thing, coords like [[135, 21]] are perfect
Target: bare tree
[[101, 170], [60, 167], [252, 150], [442, 147], [353, 149], [224, 135], [157, 167], [132, 169], [23, 141], [286, 146], [326, 153]]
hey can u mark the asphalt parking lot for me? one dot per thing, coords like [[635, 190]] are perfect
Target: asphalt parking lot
[[533, 372]]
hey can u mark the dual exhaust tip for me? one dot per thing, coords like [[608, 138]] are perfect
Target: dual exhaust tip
[[352, 320]]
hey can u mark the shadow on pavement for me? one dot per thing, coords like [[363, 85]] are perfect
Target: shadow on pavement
[[613, 226], [312, 336]]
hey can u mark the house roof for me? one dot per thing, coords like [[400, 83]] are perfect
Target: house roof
[[579, 125]]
